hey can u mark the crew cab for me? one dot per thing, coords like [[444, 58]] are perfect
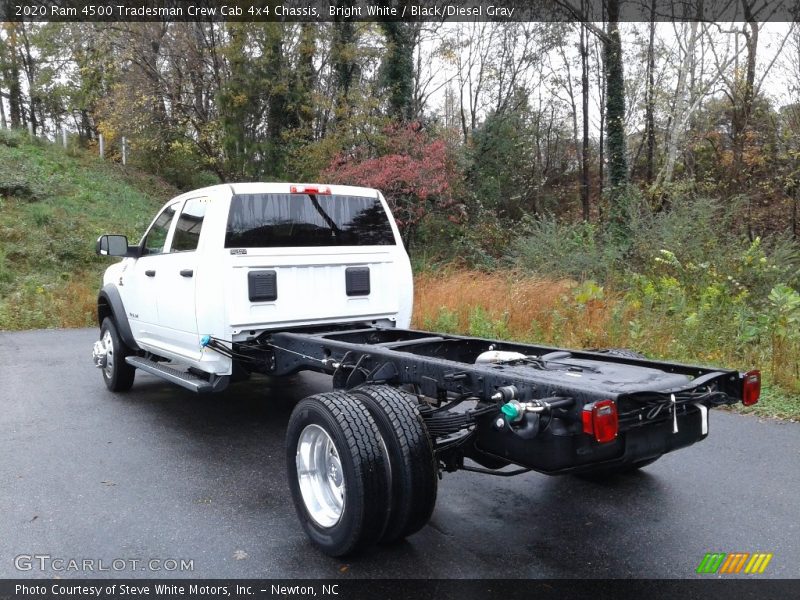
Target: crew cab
[[278, 278]]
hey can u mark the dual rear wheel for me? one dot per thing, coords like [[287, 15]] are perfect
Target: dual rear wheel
[[361, 468]]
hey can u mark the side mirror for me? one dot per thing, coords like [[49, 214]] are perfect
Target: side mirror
[[112, 245]]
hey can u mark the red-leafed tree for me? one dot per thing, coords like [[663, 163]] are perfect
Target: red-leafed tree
[[413, 169]]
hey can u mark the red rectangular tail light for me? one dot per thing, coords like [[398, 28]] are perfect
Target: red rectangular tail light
[[751, 387], [309, 189], [600, 420]]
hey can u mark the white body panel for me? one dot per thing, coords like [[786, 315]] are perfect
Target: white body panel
[[169, 312]]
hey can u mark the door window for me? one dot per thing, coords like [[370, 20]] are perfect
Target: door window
[[187, 230], [157, 236]]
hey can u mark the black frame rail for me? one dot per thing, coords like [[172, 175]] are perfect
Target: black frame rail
[[439, 364]]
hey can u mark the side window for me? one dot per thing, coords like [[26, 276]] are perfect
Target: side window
[[157, 236], [187, 230]]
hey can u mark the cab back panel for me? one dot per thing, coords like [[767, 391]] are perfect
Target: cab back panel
[[299, 258], [308, 288]]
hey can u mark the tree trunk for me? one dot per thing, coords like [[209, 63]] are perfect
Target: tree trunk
[[304, 81], [745, 96], [585, 190], [344, 65], [464, 128], [276, 103], [615, 100], [14, 87], [601, 75], [650, 100], [679, 110], [86, 129], [574, 115], [397, 69], [615, 119], [743, 108]]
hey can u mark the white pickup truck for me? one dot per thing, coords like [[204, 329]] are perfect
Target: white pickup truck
[[278, 278], [232, 261]]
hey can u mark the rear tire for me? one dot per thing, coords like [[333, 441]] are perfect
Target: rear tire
[[338, 476], [118, 375], [413, 466]]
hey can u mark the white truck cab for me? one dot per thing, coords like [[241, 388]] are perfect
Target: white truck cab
[[232, 261]]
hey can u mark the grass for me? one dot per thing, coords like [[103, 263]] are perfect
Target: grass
[[53, 206], [775, 402], [512, 305]]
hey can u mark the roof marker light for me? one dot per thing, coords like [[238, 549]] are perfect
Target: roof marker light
[[309, 189]]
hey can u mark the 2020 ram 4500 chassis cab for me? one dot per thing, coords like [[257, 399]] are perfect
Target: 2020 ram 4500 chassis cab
[[232, 261], [278, 278]]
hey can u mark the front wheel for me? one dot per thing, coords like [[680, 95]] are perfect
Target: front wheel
[[338, 474], [117, 374]]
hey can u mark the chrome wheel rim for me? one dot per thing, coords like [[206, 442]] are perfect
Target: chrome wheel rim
[[108, 369], [319, 473]]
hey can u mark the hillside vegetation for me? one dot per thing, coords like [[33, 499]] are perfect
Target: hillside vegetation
[[53, 206], [718, 299], [661, 317]]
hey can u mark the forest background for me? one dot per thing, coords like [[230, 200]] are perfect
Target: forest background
[[589, 184]]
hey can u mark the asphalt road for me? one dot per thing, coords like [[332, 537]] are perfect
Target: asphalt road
[[160, 473]]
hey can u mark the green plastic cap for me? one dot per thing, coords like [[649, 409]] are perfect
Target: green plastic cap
[[510, 411]]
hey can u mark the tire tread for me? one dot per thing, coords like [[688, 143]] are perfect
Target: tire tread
[[124, 374], [414, 476]]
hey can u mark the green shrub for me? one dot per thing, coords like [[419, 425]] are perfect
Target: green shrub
[[482, 325], [446, 321], [6, 274], [698, 228], [179, 164], [12, 137], [21, 180], [694, 287], [478, 243], [41, 214], [555, 249]]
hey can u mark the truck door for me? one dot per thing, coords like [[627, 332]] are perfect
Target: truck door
[[177, 317], [140, 303]]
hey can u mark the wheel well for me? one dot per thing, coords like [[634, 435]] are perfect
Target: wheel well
[[109, 304], [103, 310]]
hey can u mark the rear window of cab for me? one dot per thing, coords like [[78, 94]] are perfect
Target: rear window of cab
[[306, 220]]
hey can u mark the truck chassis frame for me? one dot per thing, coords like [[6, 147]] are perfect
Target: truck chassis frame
[[462, 401]]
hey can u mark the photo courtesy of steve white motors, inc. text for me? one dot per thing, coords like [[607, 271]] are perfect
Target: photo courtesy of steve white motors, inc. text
[[171, 589]]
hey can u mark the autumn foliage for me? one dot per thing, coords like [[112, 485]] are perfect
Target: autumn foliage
[[413, 169]]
